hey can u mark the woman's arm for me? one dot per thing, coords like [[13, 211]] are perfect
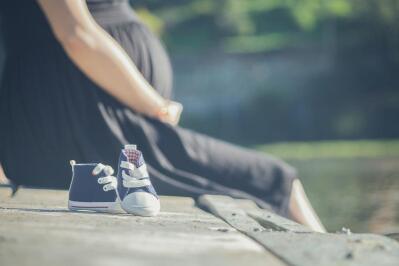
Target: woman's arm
[[102, 59]]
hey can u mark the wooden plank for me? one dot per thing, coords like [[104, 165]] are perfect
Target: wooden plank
[[269, 219], [300, 246], [393, 235], [332, 249], [226, 208], [37, 229]]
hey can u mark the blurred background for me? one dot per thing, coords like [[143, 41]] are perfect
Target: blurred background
[[314, 82]]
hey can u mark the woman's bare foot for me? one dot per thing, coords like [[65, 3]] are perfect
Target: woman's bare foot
[[3, 178], [301, 210]]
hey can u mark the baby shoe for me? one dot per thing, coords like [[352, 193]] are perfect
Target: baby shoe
[[93, 188], [136, 193]]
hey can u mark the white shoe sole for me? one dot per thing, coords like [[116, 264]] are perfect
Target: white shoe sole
[[141, 203], [142, 211], [112, 207]]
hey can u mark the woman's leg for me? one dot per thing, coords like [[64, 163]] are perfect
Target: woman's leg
[[301, 210], [201, 163]]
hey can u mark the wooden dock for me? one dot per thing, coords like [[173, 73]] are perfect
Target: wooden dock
[[36, 228]]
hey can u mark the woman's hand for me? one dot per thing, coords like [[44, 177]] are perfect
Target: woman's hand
[[170, 113]]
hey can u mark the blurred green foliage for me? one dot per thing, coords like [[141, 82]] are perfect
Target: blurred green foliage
[[260, 25], [286, 69], [256, 71]]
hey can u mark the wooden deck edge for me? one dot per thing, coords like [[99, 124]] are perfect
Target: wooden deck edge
[[245, 210], [295, 244], [270, 220], [225, 208]]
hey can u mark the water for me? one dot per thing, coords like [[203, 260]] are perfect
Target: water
[[362, 194]]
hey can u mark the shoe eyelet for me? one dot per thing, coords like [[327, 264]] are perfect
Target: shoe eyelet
[[105, 188]]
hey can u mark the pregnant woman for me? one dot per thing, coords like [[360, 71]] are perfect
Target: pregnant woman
[[82, 78]]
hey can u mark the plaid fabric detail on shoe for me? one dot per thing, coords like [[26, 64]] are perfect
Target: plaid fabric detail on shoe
[[135, 157]]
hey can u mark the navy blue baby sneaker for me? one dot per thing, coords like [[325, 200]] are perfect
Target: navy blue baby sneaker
[[93, 188], [136, 193]]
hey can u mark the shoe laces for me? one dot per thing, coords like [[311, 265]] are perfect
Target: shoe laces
[[109, 182], [134, 176]]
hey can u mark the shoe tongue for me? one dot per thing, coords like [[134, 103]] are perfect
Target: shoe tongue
[[134, 156]]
